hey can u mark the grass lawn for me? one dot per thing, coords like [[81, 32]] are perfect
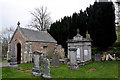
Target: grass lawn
[[107, 69], [1, 60]]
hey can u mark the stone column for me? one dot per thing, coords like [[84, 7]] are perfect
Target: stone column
[[68, 53], [82, 52], [73, 58], [30, 51], [89, 51], [26, 53]]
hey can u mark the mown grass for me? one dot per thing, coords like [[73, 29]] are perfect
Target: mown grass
[[1, 60], [107, 69]]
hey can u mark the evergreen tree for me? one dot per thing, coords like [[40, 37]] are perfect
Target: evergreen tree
[[101, 24]]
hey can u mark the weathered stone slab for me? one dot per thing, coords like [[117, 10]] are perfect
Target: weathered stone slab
[[46, 73], [97, 57], [55, 60]]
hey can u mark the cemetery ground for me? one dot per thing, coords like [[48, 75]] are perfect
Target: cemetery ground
[[105, 69]]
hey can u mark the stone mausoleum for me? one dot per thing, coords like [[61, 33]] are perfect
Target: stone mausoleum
[[79, 49], [27, 41]]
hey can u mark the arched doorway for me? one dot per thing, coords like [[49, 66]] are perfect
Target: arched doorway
[[18, 53]]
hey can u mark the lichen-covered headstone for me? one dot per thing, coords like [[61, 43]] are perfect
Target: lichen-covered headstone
[[46, 73]]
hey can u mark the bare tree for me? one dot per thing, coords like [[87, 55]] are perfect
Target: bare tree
[[7, 33], [5, 36], [41, 19]]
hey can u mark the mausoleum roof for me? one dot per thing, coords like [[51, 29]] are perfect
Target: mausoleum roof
[[33, 35]]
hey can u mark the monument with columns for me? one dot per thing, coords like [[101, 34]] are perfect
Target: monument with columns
[[79, 49]]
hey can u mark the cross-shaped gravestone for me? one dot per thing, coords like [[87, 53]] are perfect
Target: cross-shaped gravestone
[[55, 60]]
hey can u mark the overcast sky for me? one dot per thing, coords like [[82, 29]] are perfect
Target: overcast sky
[[12, 11]]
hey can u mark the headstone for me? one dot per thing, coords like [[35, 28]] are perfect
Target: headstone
[[55, 60], [60, 51], [46, 73], [103, 56], [13, 60], [97, 57], [37, 71]]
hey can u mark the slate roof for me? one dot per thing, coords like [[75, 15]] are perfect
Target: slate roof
[[33, 35]]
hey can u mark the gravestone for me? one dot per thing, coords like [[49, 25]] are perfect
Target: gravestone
[[97, 57], [46, 73], [60, 51], [13, 60], [73, 58], [55, 60], [37, 71]]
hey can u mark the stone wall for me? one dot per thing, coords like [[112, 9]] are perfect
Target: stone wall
[[39, 46]]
